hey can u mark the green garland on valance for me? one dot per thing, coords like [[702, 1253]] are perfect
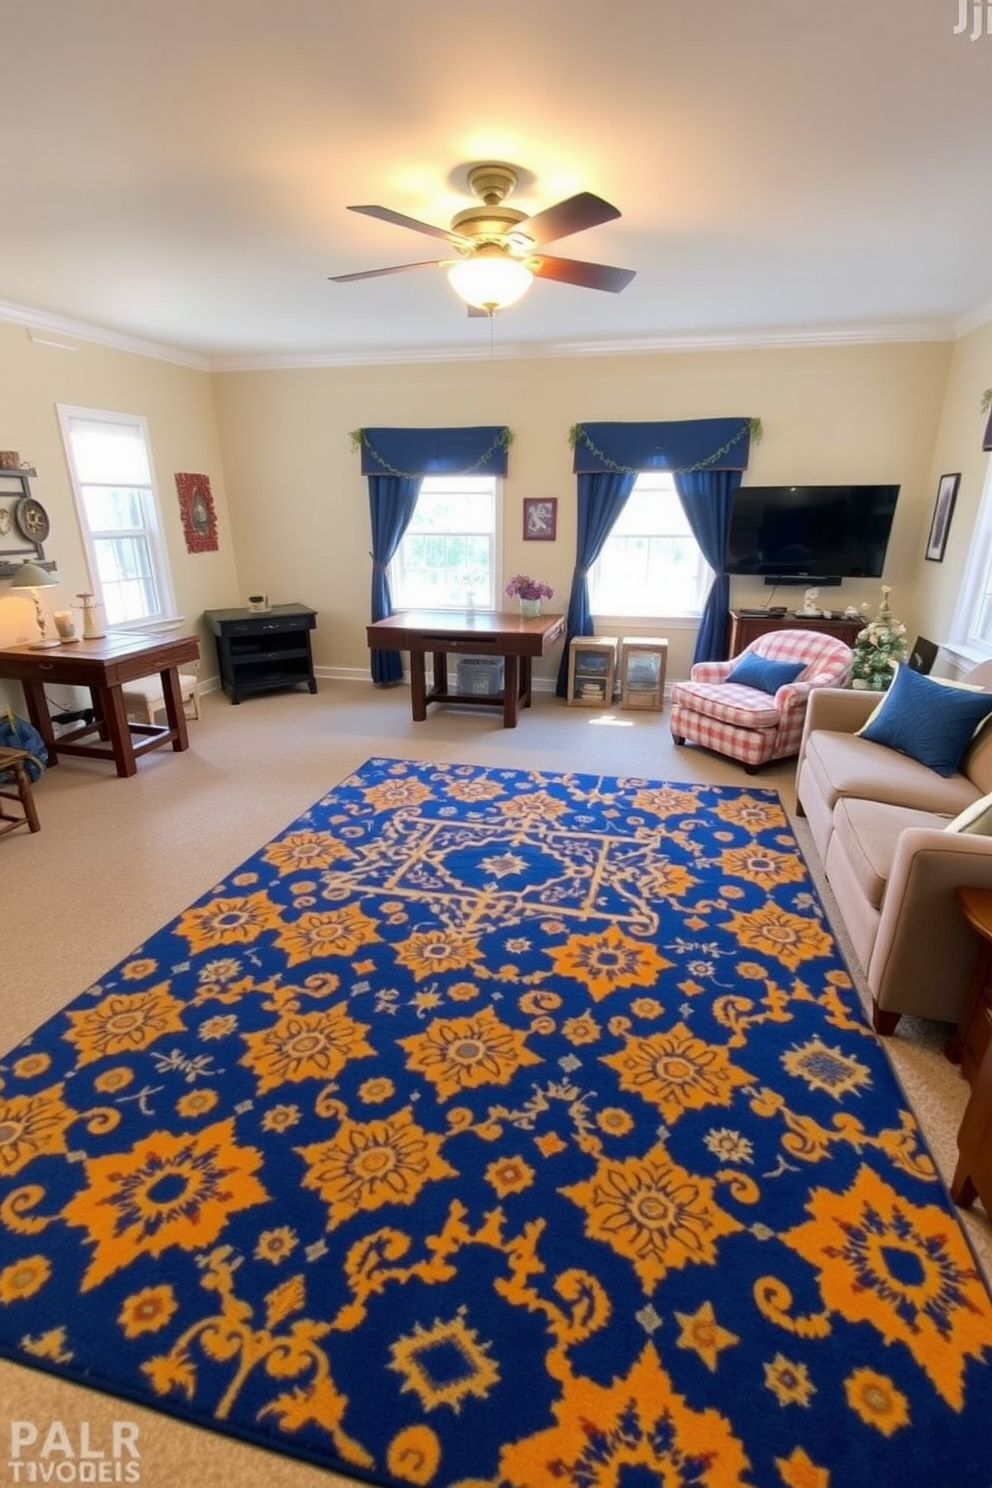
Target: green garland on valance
[[752, 428], [987, 400], [360, 441]]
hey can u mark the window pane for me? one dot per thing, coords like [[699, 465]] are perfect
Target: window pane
[[650, 564], [107, 509], [447, 559], [109, 452]]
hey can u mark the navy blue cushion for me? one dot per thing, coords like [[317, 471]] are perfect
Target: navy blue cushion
[[768, 676], [927, 720]]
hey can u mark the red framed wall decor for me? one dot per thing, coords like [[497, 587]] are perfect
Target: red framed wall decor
[[196, 504]]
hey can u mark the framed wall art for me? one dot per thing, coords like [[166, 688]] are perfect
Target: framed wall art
[[540, 518], [196, 505], [943, 508]]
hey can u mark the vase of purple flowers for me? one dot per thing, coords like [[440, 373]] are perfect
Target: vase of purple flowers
[[529, 592]]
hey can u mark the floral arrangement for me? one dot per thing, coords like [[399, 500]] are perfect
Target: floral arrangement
[[878, 647], [521, 586]]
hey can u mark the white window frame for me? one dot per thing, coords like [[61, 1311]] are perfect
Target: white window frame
[[476, 599], [975, 593], [647, 481], [151, 529]]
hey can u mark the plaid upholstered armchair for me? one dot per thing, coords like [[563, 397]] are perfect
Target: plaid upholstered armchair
[[753, 707]]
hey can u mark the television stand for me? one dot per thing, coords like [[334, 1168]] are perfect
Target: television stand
[[747, 625]]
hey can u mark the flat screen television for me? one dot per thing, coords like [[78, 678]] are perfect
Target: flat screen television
[[810, 534]]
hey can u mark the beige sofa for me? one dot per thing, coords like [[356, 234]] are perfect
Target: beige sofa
[[878, 821]]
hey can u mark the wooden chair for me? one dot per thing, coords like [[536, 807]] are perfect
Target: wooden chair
[[15, 785]]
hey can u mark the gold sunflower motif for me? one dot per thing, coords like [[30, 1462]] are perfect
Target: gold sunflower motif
[[762, 866], [535, 806], [147, 1311], [665, 801], [124, 1023], [608, 960], [474, 790], [398, 792], [335, 932], [168, 1190], [458, 1054], [33, 1125], [742, 810], [635, 1428], [427, 953], [226, 922], [22, 1279], [305, 1046], [657, 1214], [367, 1164], [299, 852], [677, 1072], [775, 932], [876, 1400], [904, 1269]]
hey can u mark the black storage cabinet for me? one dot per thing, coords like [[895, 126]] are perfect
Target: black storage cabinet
[[263, 650]]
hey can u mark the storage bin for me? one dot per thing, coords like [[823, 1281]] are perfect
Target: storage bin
[[482, 675]]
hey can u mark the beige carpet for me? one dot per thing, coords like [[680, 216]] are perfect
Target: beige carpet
[[116, 859]]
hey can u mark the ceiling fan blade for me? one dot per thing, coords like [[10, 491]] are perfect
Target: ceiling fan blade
[[586, 275], [385, 214], [573, 215], [427, 263]]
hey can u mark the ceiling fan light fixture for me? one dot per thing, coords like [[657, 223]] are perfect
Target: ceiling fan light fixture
[[490, 281]]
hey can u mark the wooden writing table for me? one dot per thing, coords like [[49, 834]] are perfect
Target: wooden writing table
[[104, 667], [469, 632]]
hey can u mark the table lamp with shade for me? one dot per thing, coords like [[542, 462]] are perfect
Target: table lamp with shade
[[32, 576]]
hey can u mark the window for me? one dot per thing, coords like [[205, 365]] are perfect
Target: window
[[448, 557], [112, 481], [972, 629], [650, 564]]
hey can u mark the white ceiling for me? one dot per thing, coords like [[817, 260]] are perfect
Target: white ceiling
[[178, 171]]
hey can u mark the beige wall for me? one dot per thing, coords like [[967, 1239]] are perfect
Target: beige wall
[[293, 508], [178, 404], [299, 508]]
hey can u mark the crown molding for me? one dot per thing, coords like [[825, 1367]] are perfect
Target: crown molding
[[51, 330], [55, 329]]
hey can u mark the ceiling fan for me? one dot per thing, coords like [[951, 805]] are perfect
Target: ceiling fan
[[497, 244]]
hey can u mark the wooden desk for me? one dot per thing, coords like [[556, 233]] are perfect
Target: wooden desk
[[103, 667], [475, 633]]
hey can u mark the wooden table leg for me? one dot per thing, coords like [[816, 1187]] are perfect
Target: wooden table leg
[[511, 691], [439, 674], [418, 686], [111, 708], [973, 1174], [34, 698], [525, 681], [174, 710]]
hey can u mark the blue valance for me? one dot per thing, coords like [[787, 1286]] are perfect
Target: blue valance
[[680, 445], [412, 453]]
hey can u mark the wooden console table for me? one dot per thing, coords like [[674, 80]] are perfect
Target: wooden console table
[[103, 667], [474, 633], [745, 628]]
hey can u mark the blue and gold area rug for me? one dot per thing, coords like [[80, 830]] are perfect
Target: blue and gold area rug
[[502, 1130]]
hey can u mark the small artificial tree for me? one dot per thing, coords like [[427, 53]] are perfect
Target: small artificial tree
[[878, 647]]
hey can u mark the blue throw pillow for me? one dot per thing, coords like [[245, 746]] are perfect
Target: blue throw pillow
[[928, 720], [768, 676]]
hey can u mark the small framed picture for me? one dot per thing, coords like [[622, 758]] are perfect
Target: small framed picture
[[987, 438], [943, 508], [540, 518]]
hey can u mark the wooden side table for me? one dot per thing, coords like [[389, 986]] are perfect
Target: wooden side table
[[642, 665], [591, 665], [15, 785], [973, 1174], [974, 1032]]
